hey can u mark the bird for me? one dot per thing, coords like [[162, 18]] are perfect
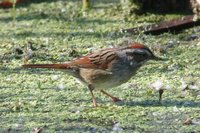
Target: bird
[[105, 68]]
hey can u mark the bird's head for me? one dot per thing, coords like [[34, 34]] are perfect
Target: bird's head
[[138, 53]]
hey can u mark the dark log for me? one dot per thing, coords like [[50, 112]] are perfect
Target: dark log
[[174, 26], [162, 5]]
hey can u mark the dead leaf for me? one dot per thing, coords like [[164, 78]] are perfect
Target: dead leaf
[[188, 121], [37, 130]]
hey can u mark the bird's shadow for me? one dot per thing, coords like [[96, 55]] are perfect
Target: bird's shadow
[[164, 103], [143, 103], [7, 71]]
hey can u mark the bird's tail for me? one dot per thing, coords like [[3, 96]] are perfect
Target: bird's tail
[[54, 66]]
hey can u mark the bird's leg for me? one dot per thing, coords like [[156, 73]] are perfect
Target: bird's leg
[[114, 99], [91, 88]]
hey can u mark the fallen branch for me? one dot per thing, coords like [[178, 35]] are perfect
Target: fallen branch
[[174, 26]]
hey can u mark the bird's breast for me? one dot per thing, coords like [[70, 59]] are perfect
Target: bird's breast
[[102, 79]]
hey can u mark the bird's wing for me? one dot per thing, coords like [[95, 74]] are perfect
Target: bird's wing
[[100, 60]]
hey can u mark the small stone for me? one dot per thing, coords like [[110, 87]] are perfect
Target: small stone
[[63, 10], [77, 112], [8, 79], [61, 86], [192, 37], [188, 121], [193, 87], [90, 30], [175, 109], [54, 77], [154, 114], [171, 42]]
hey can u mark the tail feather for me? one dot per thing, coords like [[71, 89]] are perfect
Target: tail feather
[[54, 66]]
